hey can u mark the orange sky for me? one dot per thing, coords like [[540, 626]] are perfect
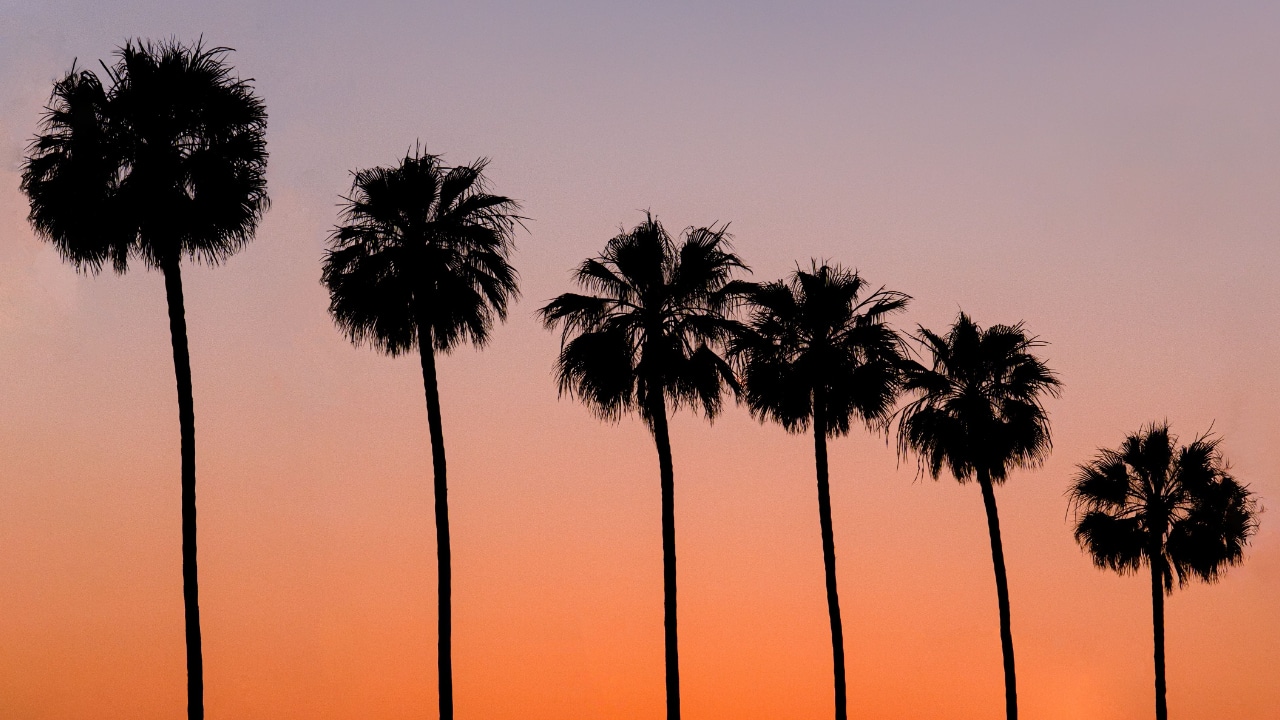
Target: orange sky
[[1108, 175]]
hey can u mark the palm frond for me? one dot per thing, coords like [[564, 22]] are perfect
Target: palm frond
[[1114, 543]]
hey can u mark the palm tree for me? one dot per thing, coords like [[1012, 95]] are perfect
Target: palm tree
[[643, 341], [421, 260], [978, 413], [164, 161], [818, 351], [1174, 509]]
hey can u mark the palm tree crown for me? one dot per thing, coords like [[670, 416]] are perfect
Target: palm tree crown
[[979, 407], [167, 160], [818, 335], [1175, 509], [421, 246], [649, 331]]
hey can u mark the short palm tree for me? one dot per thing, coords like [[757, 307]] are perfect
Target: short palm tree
[[165, 161], [818, 351], [644, 339], [978, 413], [421, 261], [1176, 510]]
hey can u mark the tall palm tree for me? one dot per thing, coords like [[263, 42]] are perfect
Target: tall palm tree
[[162, 160], [818, 351], [1176, 510], [644, 340], [421, 261], [978, 413]]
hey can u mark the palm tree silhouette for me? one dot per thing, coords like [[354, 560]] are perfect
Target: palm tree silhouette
[[818, 350], [644, 339], [1174, 509], [978, 413], [421, 260], [165, 161]]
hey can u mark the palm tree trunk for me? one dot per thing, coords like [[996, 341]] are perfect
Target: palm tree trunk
[[444, 573], [661, 437], [829, 555], [187, 426], [1002, 593], [1157, 624]]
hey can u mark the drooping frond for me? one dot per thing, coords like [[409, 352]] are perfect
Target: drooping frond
[[599, 368], [649, 323], [421, 247], [1175, 508], [978, 406], [1115, 542], [1219, 514], [71, 176], [817, 336]]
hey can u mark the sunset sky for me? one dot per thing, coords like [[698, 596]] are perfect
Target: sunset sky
[[1107, 172]]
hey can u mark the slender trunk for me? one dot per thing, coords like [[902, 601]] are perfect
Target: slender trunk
[[1157, 625], [444, 592], [187, 424], [829, 554], [661, 437], [1002, 593]]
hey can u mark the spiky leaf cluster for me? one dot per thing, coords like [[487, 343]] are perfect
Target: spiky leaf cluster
[[818, 336], [979, 405], [165, 157], [648, 329], [1174, 508], [421, 247]]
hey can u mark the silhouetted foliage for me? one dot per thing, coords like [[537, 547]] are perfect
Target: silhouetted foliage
[[1175, 509], [420, 260], [821, 335], [163, 159], [421, 246], [817, 350], [647, 335], [978, 413], [979, 407]]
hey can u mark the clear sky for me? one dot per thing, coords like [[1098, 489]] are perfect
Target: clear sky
[[1107, 172]]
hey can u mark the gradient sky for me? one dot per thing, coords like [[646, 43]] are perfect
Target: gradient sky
[[1107, 172]]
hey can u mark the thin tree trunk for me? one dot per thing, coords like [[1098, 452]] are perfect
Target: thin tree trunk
[[187, 425], [658, 423], [444, 592], [1157, 625], [829, 555], [1002, 593]]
